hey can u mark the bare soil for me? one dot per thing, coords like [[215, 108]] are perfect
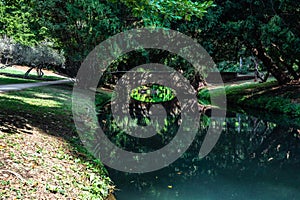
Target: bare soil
[[46, 71], [35, 164]]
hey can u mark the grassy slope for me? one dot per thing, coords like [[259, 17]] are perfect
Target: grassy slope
[[263, 96], [41, 155], [20, 74], [14, 80]]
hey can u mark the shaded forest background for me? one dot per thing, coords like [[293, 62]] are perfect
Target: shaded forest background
[[239, 35]]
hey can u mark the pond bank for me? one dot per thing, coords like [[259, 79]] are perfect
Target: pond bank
[[41, 156], [253, 159], [268, 97]]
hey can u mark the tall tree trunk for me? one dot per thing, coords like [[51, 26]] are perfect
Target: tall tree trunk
[[272, 67], [28, 71]]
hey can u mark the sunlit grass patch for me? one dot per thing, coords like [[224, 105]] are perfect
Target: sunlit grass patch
[[13, 80], [21, 73], [37, 100], [11, 70], [267, 96]]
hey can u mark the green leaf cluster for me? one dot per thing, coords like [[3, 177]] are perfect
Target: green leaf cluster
[[162, 12]]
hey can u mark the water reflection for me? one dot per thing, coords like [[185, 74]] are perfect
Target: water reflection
[[253, 159]]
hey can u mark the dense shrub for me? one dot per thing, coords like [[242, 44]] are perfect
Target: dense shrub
[[39, 55]]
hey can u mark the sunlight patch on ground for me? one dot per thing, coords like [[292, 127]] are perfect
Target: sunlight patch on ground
[[32, 101], [43, 96]]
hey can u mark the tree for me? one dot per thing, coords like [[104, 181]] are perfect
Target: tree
[[78, 26], [25, 40], [19, 22], [38, 56], [268, 30], [81, 25], [162, 13]]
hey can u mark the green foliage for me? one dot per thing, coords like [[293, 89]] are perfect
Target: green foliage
[[19, 22], [78, 26], [160, 13], [227, 66], [276, 105], [40, 54], [81, 25], [22, 37], [153, 93], [228, 30], [234, 66], [267, 30], [257, 95], [118, 136], [14, 21]]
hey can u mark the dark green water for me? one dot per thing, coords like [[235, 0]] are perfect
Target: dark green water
[[253, 159]]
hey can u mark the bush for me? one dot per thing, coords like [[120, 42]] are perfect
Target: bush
[[39, 55]]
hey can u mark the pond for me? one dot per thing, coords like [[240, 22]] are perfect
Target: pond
[[253, 159]]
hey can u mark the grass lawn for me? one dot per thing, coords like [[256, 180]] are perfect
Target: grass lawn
[[14, 80], [41, 156], [11, 70], [269, 97], [19, 74]]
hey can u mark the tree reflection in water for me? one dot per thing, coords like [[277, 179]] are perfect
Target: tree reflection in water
[[250, 152]]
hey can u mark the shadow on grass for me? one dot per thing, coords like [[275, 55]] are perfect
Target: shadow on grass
[[10, 80], [31, 77], [42, 111], [47, 109]]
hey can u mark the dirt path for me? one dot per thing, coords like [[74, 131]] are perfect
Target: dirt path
[[46, 71]]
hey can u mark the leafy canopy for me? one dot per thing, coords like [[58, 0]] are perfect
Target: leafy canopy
[[158, 12]]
